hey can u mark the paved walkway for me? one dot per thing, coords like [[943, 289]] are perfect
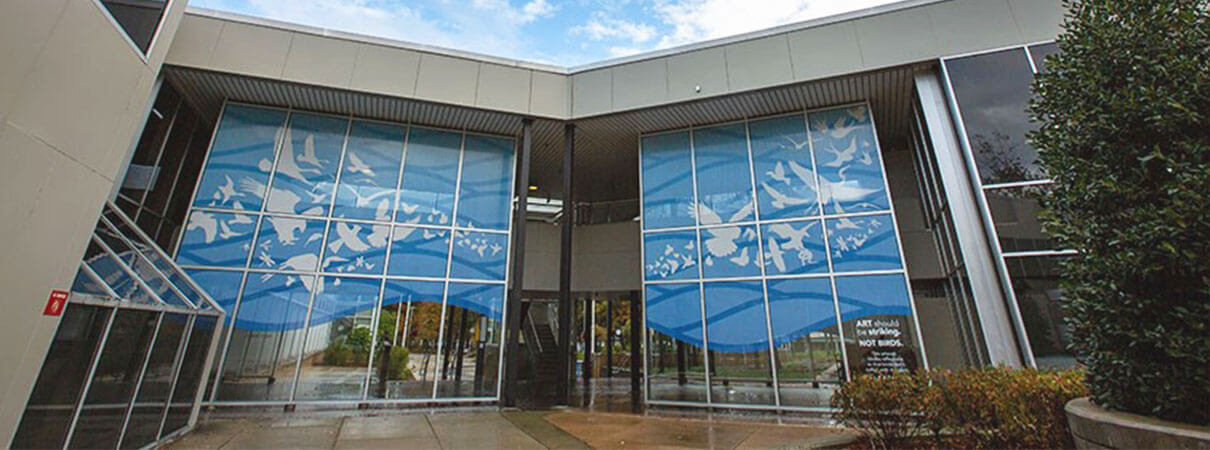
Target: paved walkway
[[484, 429]]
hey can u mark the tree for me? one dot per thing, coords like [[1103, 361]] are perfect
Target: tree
[[1125, 135]]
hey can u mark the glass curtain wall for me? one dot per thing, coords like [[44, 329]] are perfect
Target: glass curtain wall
[[772, 264], [990, 91], [362, 260]]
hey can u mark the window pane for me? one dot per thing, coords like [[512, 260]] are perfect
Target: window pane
[[724, 189], [470, 358], [144, 426], [674, 316], [809, 361], [1036, 285], [479, 256], [139, 19], [288, 243], [405, 353], [781, 157], [487, 179], [370, 171], [266, 338], [338, 340], [992, 91], [1039, 53], [670, 256], [61, 380], [863, 243], [216, 239], [846, 155], [419, 252], [794, 248], [114, 381], [306, 167], [223, 287], [739, 343], [190, 373], [667, 181], [1015, 213], [237, 170], [730, 252], [877, 316], [430, 172], [356, 248]]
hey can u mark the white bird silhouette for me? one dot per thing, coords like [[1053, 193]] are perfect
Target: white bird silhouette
[[225, 231], [844, 223], [226, 191], [265, 259], [206, 222], [304, 262], [778, 173], [313, 237], [842, 156], [287, 165], [866, 158], [287, 228], [722, 241], [254, 187], [378, 236], [795, 239], [357, 166], [240, 219], [781, 201], [803, 174], [709, 217], [409, 209], [308, 155], [797, 145], [743, 259], [346, 236], [774, 254]]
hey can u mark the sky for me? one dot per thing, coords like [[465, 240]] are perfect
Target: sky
[[563, 33]]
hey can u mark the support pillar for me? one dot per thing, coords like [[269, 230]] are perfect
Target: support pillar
[[565, 307], [512, 336], [636, 353]]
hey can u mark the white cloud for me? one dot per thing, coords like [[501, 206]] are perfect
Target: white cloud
[[601, 28], [697, 20], [527, 13]]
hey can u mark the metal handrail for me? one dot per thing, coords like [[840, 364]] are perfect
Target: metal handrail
[[529, 314], [110, 206], [171, 285]]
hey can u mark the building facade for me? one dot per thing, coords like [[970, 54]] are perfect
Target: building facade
[[248, 213]]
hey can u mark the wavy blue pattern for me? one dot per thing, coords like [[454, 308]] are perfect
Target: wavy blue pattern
[[799, 307], [863, 243], [356, 248], [479, 255], [288, 243], [486, 299], [781, 159], [846, 156], [371, 168], [403, 291], [674, 310], [735, 316], [274, 303], [724, 187], [430, 171], [794, 248], [486, 186], [343, 297], [872, 295], [216, 239], [305, 175], [730, 251], [670, 255], [237, 168], [667, 181], [419, 252]]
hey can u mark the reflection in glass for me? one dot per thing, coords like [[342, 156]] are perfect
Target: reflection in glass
[[794, 248], [809, 361], [1015, 212], [430, 171], [724, 194], [144, 425], [781, 158], [846, 155], [338, 342], [223, 286], [730, 252], [479, 255], [356, 248], [139, 20], [1036, 285], [1039, 53], [405, 352], [419, 252], [863, 243], [992, 91], [678, 371], [48, 414], [470, 353], [114, 380], [288, 243], [266, 338], [216, 239], [306, 166], [238, 165], [670, 256], [667, 181], [190, 374], [876, 312], [739, 343], [486, 186], [370, 171]]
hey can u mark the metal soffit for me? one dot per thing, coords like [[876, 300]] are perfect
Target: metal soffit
[[606, 146]]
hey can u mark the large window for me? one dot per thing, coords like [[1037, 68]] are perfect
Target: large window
[[361, 260], [139, 19], [772, 262]]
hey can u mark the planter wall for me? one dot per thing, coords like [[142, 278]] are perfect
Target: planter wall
[[1094, 427]]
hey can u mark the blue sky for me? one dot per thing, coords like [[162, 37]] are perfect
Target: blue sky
[[565, 33]]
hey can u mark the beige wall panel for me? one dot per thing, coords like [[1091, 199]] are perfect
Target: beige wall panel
[[973, 25], [195, 40], [541, 256], [896, 38], [24, 28], [251, 50], [169, 26], [592, 92], [704, 70], [643, 83], [320, 60], [606, 257], [125, 133], [551, 95], [385, 70], [447, 80], [1038, 20], [758, 63], [824, 52], [503, 88]]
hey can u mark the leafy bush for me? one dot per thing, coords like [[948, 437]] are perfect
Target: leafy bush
[[397, 368], [973, 408], [1124, 133], [337, 354]]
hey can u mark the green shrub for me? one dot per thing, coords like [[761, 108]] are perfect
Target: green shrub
[[337, 354], [973, 408], [397, 367], [1125, 134]]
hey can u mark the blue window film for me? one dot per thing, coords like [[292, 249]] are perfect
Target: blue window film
[[730, 251], [486, 299], [793, 248], [288, 243], [846, 155], [404, 291], [724, 188], [306, 166], [216, 239], [430, 172], [487, 179], [863, 243], [872, 295], [479, 255], [670, 255], [342, 297], [240, 159], [274, 302], [667, 181], [800, 306], [221, 285], [781, 159], [735, 316], [370, 172], [675, 311], [355, 247], [419, 252]]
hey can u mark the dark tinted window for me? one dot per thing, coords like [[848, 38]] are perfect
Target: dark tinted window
[[993, 91], [1036, 284], [138, 18], [113, 383], [1039, 54], [1015, 214]]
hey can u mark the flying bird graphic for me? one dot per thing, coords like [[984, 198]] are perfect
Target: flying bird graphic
[[357, 166], [842, 156], [778, 173]]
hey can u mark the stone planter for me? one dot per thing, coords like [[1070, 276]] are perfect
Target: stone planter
[[1094, 427]]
